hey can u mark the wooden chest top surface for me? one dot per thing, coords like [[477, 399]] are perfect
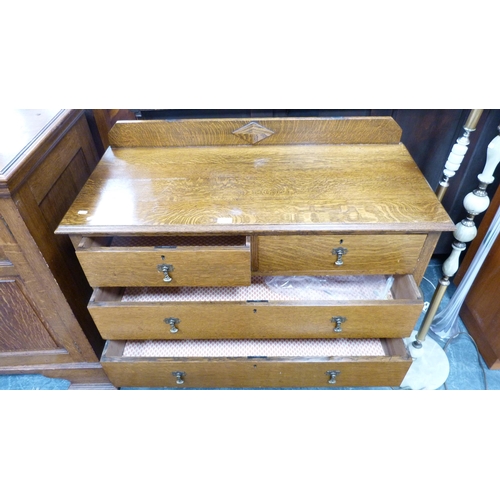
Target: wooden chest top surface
[[256, 189]]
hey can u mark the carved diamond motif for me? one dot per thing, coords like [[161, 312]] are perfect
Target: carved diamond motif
[[253, 132]]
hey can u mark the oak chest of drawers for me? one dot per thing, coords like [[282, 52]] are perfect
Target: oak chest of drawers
[[277, 253]]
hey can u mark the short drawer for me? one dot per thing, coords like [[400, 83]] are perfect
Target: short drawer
[[255, 364], [331, 307], [339, 254], [166, 261]]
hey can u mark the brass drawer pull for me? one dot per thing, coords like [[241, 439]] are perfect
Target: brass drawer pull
[[340, 252], [333, 374], [178, 376], [338, 320], [165, 269], [172, 322]]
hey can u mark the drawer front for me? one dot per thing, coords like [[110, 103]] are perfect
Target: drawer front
[[385, 370], [255, 320], [361, 254], [192, 266], [161, 316]]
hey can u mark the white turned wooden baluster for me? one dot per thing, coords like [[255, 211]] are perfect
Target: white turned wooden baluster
[[457, 153], [465, 231]]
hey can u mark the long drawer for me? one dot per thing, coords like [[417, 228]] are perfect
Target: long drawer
[[142, 364], [166, 261], [330, 307], [339, 254]]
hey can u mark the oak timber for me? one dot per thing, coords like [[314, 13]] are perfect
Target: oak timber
[[210, 132], [321, 188], [270, 372], [366, 254], [204, 319]]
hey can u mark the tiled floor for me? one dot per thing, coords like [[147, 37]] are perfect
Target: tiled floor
[[467, 369]]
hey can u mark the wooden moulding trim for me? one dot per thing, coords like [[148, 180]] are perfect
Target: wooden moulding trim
[[14, 359], [256, 229], [55, 366], [36, 150], [27, 354], [90, 374], [29, 147], [219, 132]]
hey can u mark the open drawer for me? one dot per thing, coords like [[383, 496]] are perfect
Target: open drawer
[[332, 307], [256, 363], [166, 261]]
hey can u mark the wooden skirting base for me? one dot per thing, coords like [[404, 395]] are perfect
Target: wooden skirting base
[[81, 375]]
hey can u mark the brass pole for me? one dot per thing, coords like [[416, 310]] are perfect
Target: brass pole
[[471, 122], [440, 191], [444, 283]]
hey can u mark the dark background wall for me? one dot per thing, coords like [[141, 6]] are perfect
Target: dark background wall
[[429, 135]]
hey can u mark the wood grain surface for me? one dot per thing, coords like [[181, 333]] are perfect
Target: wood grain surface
[[365, 319], [203, 319], [270, 372], [24, 330], [192, 266], [21, 131], [210, 132], [256, 189], [366, 254]]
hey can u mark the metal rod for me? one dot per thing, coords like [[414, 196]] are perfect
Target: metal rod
[[444, 283]]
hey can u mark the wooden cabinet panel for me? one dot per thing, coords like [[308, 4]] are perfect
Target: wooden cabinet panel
[[21, 328], [45, 327]]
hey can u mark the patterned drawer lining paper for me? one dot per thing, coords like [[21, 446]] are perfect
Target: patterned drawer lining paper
[[178, 241], [245, 348], [273, 289]]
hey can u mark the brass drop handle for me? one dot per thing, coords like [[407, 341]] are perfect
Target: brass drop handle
[[340, 252], [333, 374], [165, 269], [338, 320], [172, 322], [178, 376]]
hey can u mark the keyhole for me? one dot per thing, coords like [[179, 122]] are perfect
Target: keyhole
[[255, 310], [341, 241]]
